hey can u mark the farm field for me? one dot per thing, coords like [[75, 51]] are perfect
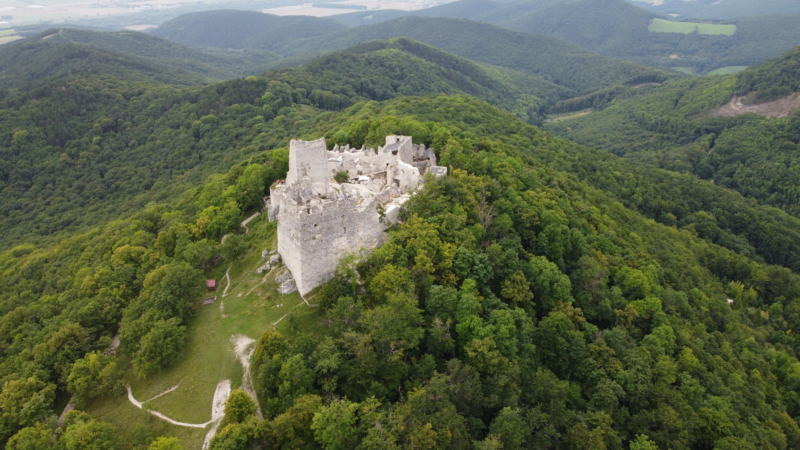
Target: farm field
[[186, 390], [668, 26], [686, 70], [727, 70]]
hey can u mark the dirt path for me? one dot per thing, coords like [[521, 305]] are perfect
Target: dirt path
[[776, 108], [568, 117], [248, 220], [217, 409], [161, 416], [243, 348], [163, 393], [228, 279]]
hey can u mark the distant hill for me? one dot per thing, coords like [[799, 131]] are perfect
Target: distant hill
[[617, 28], [679, 126], [32, 62], [380, 70], [242, 29], [210, 64], [554, 59], [727, 9], [482, 10]]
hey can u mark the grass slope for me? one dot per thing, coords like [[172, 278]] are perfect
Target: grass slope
[[252, 306], [669, 26]]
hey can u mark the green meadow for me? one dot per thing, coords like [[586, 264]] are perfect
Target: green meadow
[[727, 70], [668, 26], [251, 306]]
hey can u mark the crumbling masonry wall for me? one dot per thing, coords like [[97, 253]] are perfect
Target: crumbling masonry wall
[[319, 220]]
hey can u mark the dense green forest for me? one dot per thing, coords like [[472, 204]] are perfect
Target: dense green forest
[[544, 294], [518, 304], [671, 126], [242, 29], [103, 137], [210, 63], [614, 28], [555, 60], [617, 28]]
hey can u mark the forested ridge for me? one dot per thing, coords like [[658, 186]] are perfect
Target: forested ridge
[[673, 126], [619, 29], [108, 135], [542, 295]]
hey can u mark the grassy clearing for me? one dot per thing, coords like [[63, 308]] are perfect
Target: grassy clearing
[[686, 70], [727, 70], [668, 26], [7, 32], [555, 118], [251, 307], [7, 39]]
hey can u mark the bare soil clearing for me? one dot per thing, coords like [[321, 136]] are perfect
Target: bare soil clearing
[[776, 108]]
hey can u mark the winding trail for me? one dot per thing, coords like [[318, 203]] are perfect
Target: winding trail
[[243, 349], [217, 409], [163, 393], [161, 416], [228, 278], [248, 220]]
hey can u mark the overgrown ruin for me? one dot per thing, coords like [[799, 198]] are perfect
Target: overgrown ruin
[[320, 219]]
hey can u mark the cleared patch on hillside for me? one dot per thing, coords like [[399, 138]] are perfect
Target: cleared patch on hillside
[[776, 108], [668, 26], [727, 70]]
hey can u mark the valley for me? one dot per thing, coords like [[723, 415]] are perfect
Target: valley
[[605, 253]]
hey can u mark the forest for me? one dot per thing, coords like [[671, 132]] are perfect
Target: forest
[[673, 127], [577, 286]]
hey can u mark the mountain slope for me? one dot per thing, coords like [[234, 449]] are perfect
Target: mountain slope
[[30, 63], [562, 63], [242, 29], [677, 126], [617, 28], [524, 298], [214, 64], [91, 138]]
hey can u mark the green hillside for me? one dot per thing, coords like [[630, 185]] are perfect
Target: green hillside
[[555, 60], [520, 303], [672, 126], [213, 64], [729, 9], [543, 294], [32, 63], [617, 28], [242, 29], [87, 144]]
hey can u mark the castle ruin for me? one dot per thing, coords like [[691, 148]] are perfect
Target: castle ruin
[[319, 219]]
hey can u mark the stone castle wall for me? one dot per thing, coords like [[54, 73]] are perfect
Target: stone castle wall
[[319, 220]]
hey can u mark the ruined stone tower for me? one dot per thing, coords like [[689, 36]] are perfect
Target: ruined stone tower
[[319, 220]]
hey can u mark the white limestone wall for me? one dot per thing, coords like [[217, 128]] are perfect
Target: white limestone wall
[[311, 244], [308, 159]]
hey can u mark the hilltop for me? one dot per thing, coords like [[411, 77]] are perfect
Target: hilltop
[[212, 64], [541, 294], [535, 262], [116, 133], [242, 29], [555, 60]]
